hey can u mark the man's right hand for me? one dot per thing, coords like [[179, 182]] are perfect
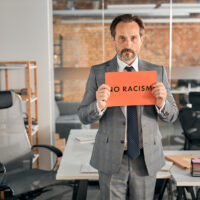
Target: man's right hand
[[102, 95]]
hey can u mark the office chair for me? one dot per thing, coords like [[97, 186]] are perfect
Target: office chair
[[194, 99], [16, 173], [190, 122]]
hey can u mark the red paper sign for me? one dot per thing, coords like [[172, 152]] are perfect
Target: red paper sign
[[131, 88]]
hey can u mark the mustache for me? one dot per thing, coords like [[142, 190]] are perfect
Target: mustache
[[127, 50]]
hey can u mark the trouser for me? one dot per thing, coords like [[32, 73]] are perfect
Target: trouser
[[131, 182]]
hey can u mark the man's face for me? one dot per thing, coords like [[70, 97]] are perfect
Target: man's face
[[127, 41]]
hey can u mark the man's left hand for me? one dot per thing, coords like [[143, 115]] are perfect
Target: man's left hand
[[160, 93]]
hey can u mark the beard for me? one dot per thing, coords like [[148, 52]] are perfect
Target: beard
[[127, 54]]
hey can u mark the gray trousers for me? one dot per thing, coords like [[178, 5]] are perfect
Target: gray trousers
[[131, 182]]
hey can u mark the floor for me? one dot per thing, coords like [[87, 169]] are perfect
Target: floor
[[172, 140]]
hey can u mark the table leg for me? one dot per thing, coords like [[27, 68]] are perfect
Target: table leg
[[198, 194], [169, 190], [162, 189], [80, 190], [191, 191], [181, 193]]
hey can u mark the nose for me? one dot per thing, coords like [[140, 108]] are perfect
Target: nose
[[128, 43]]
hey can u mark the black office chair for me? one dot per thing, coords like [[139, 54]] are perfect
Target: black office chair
[[190, 122], [17, 177], [194, 99]]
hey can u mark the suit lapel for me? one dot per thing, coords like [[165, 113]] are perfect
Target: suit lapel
[[142, 66], [112, 66]]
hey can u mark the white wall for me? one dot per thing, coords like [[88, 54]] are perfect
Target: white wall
[[26, 34]]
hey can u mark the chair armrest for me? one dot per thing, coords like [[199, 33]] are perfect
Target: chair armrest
[[49, 147], [2, 174], [2, 168], [191, 130]]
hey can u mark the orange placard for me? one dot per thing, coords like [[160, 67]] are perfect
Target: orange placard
[[131, 88]]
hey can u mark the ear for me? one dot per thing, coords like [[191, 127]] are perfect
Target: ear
[[113, 40], [142, 40]]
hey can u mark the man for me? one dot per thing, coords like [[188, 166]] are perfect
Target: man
[[121, 170]]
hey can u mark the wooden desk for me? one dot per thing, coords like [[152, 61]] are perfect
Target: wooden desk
[[75, 155], [183, 178]]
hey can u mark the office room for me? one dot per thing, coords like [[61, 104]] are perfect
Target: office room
[[65, 129]]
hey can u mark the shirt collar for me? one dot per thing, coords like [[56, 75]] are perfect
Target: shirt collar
[[122, 65]]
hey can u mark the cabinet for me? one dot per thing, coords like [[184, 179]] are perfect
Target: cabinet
[[28, 94]]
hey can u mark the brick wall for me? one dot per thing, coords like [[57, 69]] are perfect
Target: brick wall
[[83, 48], [82, 43]]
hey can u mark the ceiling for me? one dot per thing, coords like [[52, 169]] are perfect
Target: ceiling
[[93, 8]]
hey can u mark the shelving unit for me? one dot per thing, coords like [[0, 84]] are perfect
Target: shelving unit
[[58, 63], [30, 97]]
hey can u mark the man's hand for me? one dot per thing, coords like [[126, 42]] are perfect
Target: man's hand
[[160, 93], [102, 95]]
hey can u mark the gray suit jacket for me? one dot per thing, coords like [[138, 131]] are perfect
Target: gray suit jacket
[[109, 144]]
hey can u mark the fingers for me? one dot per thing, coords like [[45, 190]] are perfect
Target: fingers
[[103, 92], [160, 93], [104, 86], [102, 95], [159, 90]]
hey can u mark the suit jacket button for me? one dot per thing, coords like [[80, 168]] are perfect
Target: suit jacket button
[[122, 141], [167, 113], [124, 123]]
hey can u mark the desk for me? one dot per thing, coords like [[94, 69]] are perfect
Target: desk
[[182, 178], [75, 155], [185, 90]]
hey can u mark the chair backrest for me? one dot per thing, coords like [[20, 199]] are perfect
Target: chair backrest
[[194, 99], [186, 118], [189, 119], [14, 142]]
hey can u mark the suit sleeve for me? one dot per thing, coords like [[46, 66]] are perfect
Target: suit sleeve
[[170, 110], [87, 111]]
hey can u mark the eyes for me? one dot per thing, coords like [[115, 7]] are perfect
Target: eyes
[[123, 39]]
